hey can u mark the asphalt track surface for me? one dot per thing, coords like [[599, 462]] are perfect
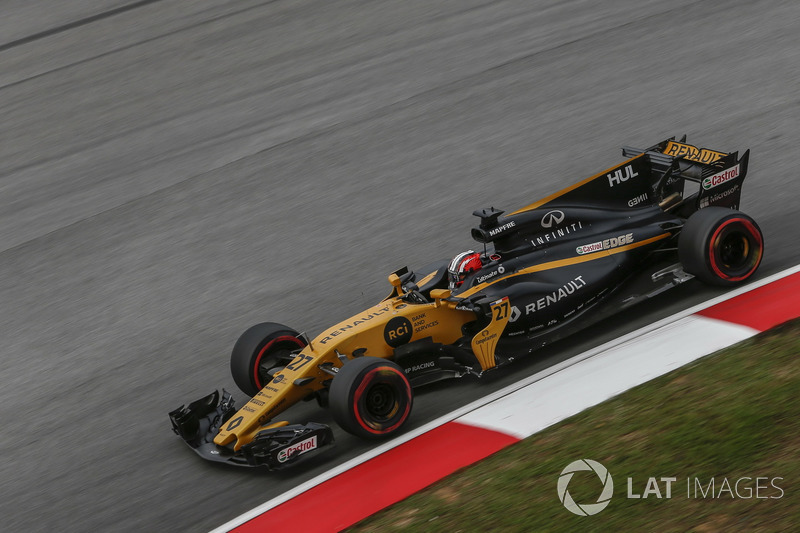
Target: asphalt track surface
[[172, 172]]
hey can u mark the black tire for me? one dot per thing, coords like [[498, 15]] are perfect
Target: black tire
[[720, 246], [370, 397], [258, 351]]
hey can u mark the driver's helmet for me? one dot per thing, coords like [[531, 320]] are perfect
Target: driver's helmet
[[461, 265]]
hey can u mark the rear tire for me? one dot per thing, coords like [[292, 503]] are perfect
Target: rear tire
[[371, 397], [259, 350], [720, 246]]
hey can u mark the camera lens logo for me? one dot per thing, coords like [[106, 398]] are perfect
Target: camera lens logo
[[585, 509]]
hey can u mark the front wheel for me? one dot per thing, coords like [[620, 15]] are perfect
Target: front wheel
[[720, 246], [370, 397], [259, 352]]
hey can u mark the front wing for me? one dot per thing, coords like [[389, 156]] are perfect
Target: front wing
[[275, 448]]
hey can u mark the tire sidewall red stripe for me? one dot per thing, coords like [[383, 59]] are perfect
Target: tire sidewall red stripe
[[754, 233], [265, 349], [365, 382]]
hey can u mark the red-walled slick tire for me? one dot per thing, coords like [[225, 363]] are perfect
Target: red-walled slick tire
[[720, 246], [261, 349], [370, 397]]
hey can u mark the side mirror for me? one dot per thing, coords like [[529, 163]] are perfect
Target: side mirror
[[440, 294], [394, 279]]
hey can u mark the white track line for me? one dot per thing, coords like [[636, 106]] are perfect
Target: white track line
[[589, 382]]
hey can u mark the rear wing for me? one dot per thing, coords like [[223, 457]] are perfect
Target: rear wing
[[685, 178]]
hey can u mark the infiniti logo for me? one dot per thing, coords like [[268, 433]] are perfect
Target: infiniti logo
[[552, 218]]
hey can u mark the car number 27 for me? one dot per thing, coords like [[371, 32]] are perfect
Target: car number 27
[[300, 362], [501, 310]]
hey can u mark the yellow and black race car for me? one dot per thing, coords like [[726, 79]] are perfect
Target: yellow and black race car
[[663, 216]]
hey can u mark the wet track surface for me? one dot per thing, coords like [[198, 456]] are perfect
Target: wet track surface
[[172, 172]]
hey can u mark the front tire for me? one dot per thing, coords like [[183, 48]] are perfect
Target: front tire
[[261, 350], [370, 397], [720, 246]]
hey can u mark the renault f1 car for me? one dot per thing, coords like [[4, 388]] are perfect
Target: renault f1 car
[[663, 216]]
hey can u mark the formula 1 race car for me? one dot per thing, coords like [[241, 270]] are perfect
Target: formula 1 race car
[[663, 216]]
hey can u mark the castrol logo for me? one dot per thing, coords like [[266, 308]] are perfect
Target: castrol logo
[[297, 449], [720, 178]]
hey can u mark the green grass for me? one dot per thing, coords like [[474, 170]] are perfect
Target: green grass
[[730, 415]]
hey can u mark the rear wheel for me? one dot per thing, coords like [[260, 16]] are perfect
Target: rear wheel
[[259, 352], [720, 246], [370, 397]]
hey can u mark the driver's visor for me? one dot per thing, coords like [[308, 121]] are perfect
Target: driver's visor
[[456, 278]]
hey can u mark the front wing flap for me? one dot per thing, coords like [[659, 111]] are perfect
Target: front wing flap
[[275, 448]]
